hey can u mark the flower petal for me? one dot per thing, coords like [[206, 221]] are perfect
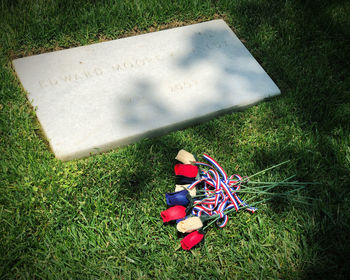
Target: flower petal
[[173, 213], [191, 240], [190, 224]]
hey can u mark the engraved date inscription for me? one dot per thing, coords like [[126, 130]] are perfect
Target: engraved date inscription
[[180, 86]]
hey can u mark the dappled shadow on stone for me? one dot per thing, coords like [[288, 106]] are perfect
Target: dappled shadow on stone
[[144, 104], [187, 94]]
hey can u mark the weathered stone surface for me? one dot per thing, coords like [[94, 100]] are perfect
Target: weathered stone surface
[[93, 98]]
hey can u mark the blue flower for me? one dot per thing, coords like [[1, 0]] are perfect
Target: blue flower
[[177, 198]]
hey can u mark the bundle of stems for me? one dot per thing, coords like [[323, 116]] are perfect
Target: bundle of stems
[[258, 189]]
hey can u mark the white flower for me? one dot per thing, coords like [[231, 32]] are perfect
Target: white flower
[[189, 225], [184, 187], [185, 157]]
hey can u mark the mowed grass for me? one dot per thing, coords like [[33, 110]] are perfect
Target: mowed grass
[[99, 217]]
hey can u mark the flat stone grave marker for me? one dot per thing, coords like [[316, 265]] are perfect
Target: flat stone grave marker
[[94, 98]]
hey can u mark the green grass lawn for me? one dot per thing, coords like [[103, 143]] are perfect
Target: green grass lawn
[[99, 217]]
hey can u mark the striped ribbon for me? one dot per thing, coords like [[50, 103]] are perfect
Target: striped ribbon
[[219, 191]]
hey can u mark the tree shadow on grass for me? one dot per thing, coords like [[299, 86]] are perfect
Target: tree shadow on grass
[[310, 70], [316, 90]]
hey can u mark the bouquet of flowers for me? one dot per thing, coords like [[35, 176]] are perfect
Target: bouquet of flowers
[[205, 194]]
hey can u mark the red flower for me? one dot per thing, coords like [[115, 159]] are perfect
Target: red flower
[[191, 240], [173, 213], [187, 170]]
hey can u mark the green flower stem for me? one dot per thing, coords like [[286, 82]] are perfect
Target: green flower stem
[[214, 218], [267, 169], [262, 171], [274, 184], [257, 190], [286, 183]]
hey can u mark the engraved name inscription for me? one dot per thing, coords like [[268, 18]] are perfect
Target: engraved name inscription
[[129, 65], [73, 77]]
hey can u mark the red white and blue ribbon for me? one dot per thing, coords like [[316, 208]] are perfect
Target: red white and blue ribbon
[[219, 192]]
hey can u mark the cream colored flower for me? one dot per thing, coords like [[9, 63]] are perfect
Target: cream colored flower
[[185, 157], [189, 225], [184, 187]]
